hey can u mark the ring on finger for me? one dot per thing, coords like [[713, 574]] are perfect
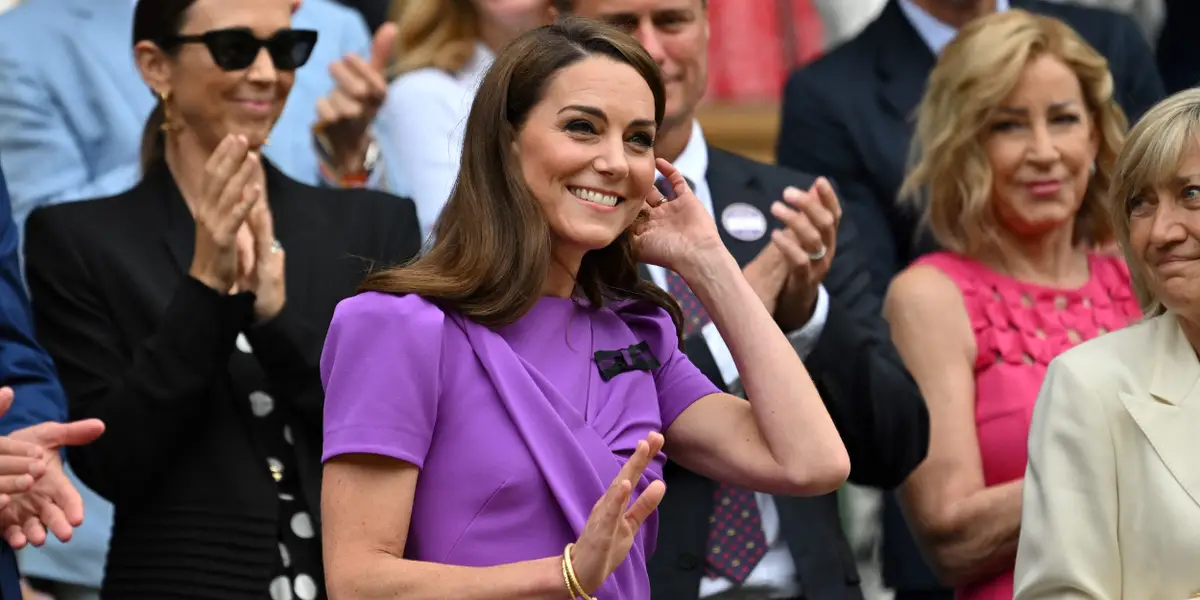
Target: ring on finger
[[276, 247], [818, 255]]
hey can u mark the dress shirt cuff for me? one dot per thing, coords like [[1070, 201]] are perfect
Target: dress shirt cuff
[[372, 177], [805, 338]]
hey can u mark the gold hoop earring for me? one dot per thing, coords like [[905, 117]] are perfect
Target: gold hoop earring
[[167, 126]]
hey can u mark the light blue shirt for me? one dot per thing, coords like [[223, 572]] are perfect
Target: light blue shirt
[[935, 33], [423, 124]]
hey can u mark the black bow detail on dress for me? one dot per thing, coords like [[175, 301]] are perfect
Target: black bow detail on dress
[[634, 358]]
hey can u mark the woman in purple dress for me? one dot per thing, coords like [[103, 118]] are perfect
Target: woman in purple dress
[[493, 409]]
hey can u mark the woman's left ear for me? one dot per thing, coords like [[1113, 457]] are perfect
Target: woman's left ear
[[153, 65]]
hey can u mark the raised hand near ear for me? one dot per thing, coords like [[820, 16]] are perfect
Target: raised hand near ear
[[674, 231], [344, 117]]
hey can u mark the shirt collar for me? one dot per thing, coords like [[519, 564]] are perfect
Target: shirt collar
[[935, 33], [693, 161]]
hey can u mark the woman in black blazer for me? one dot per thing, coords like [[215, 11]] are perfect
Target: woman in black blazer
[[174, 317]]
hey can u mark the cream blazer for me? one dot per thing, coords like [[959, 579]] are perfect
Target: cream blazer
[[1112, 489]]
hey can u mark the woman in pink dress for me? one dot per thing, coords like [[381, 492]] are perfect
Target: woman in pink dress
[[1015, 144]]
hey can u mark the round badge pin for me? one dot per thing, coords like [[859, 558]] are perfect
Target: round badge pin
[[744, 222]]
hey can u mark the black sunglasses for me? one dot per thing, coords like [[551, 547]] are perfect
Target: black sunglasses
[[236, 48]]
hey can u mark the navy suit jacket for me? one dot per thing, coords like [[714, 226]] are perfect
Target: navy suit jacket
[[23, 365]]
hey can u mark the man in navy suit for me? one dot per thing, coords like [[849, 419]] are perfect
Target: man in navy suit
[[33, 410], [849, 116]]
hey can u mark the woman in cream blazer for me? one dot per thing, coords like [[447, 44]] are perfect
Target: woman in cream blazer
[[1112, 488]]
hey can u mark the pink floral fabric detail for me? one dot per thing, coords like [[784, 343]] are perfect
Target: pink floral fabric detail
[[1019, 328]]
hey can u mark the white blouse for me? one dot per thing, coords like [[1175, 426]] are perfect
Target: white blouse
[[424, 119]]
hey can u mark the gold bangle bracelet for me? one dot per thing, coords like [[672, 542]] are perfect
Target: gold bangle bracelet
[[573, 582], [567, 579]]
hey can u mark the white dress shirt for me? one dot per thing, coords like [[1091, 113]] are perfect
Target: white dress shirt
[[775, 575], [424, 119], [935, 33]]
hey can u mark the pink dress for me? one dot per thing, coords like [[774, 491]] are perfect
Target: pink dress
[[1019, 328]]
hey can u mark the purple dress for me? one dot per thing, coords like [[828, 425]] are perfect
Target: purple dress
[[515, 431]]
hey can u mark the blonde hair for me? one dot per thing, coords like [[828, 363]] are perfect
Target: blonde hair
[[1151, 158], [433, 33], [949, 177]]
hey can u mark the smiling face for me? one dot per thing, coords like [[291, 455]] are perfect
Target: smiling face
[[208, 102], [675, 33], [1164, 233], [1041, 145], [586, 153]]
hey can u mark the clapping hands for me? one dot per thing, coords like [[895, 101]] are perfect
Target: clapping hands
[[787, 273], [35, 494], [236, 249]]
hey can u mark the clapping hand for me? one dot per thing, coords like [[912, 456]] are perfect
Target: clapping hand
[[232, 186], [48, 499], [21, 463], [609, 532], [808, 245], [345, 115], [262, 271], [676, 230]]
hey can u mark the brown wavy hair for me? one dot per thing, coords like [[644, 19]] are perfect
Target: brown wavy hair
[[492, 252], [949, 177]]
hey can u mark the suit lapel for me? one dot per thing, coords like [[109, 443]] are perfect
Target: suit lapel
[[904, 62], [730, 181], [1168, 415], [295, 227], [180, 232]]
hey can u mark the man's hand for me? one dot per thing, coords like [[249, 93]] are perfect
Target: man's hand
[[51, 501], [344, 117], [808, 244], [767, 274], [21, 463]]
